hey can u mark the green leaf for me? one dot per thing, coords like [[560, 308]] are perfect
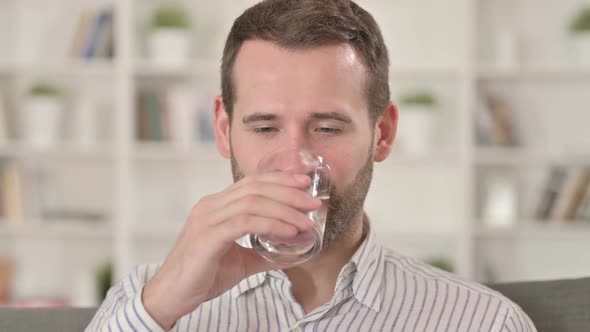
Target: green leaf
[[170, 16], [44, 89], [581, 21], [419, 98]]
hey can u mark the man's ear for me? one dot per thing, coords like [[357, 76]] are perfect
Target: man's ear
[[222, 126], [385, 132]]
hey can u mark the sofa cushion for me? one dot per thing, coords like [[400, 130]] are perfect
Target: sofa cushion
[[47, 320], [557, 305]]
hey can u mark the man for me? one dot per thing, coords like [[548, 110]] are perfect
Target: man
[[300, 74]]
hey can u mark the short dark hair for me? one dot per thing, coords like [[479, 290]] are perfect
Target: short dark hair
[[303, 24]]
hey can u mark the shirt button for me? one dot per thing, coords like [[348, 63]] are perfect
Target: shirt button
[[297, 329]]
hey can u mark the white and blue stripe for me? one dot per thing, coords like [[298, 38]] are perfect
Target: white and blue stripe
[[378, 290]]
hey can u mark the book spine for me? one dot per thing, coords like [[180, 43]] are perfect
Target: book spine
[[104, 35], [550, 193], [12, 187], [577, 195], [92, 37]]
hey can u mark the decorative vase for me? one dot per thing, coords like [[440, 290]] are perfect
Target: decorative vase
[[169, 47], [41, 120], [582, 48], [416, 129]]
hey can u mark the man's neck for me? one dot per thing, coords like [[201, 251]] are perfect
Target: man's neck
[[313, 282]]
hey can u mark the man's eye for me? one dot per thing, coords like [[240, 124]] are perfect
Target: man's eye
[[265, 130], [328, 130]]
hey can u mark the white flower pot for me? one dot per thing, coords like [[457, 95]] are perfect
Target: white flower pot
[[85, 119], [41, 120], [416, 129], [169, 47], [582, 48]]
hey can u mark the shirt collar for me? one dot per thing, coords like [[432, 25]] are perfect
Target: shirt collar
[[368, 278], [365, 268], [247, 284]]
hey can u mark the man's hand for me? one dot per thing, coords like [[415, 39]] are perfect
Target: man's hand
[[205, 261]]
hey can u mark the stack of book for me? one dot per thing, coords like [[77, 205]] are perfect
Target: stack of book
[[175, 115], [94, 35], [566, 195]]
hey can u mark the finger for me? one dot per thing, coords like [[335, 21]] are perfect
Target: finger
[[249, 224], [263, 207], [281, 178], [290, 196], [280, 186]]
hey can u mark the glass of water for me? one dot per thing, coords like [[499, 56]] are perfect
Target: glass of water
[[304, 245]]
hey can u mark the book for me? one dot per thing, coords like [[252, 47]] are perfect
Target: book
[[105, 38], [494, 122], [12, 192], [154, 115], [6, 278], [94, 35], [550, 193], [84, 22], [583, 212], [140, 118], [577, 197], [98, 24], [572, 177], [504, 134], [484, 124], [3, 124]]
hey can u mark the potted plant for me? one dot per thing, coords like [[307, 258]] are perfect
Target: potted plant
[[580, 30], [104, 279], [42, 113], [417, 121], [169, 42], [441, 263]]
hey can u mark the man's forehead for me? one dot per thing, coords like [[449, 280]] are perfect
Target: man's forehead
[[335, 115], [261, 51]]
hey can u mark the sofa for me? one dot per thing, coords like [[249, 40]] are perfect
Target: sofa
[[554, 306]]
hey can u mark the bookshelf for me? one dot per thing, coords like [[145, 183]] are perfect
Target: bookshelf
[[436, 197]]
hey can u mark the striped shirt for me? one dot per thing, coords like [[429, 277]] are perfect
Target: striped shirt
[[378, 290]]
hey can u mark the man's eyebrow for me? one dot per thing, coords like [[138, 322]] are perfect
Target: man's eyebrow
[[254, 117], [331, 116]]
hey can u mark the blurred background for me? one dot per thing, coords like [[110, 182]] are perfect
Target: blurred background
[[106, 137]]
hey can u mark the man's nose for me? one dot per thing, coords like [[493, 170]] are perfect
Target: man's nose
[[297, 140]]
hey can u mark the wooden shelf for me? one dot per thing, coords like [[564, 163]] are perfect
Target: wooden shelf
[[56, 230], [417, 236], [163, 151], [20, 150], [536, 72], [500, 156], [196, 69], [210, 69], [431, 159], [423, 72], [153, 231], [91, 67], [550, 230]]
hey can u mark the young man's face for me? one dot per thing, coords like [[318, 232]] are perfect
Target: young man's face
[[310, 99]]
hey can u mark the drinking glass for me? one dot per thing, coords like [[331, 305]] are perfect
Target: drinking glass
[[306, 244]]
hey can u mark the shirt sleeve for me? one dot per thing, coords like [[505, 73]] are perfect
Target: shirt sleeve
[[122, 309], [518, 321]]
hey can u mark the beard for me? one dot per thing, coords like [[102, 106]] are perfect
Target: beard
[[345, 205]]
